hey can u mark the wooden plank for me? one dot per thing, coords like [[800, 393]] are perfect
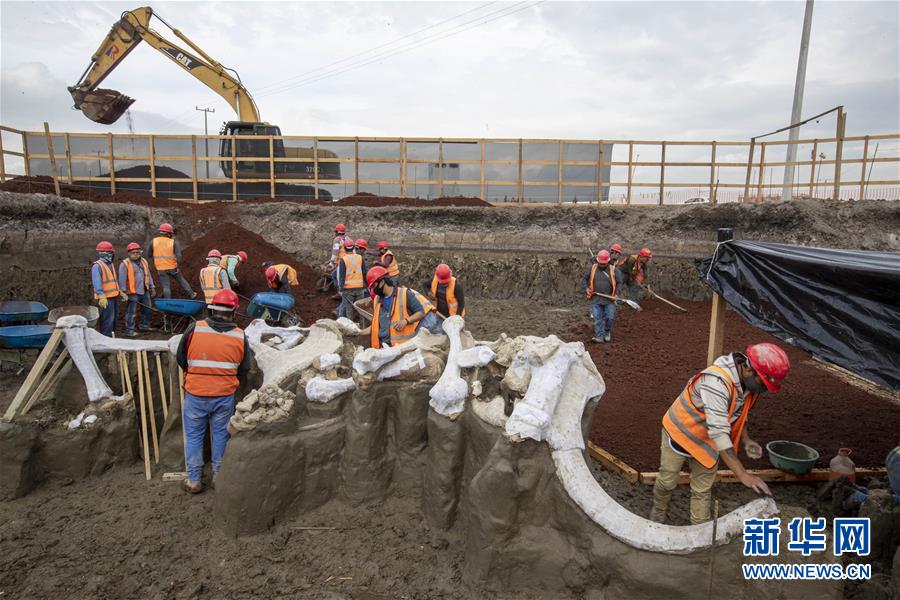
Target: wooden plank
[[271, 167], [662, 176], [839, 152], [34, 375], [762, 170], [559, 175], [111, 165], [630, 170], [769, 475], [403, 168], [856, 380], [48, 380], [812, 171], [520, 192], [316, 166], [162, 387], [151, 410], [862, 174], [716, 329], [612, 463], [356, 164], [600, 174], [194, 165], [53, 169], [3, 160], [181, 416], [482, 178], [440, 168], [234, 193], [712, 175], [69, 159], [749, 170], [152, 158], [145, 443], [25, 155]]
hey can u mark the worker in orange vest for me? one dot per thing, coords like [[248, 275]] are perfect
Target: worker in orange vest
[[106, 288], [166, 254], [215, 356], [602, 279], [708, 421], [615, 253], [281, 277], [447, 293], [213, 277], [351, 273], [635, 272], [396, 311], [136, 282], [337, 249], [388, 261], [230, 262]]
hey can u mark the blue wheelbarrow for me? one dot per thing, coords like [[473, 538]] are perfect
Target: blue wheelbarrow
[[13, 315], [273, 307], [176, 312], [16, 339], [19, 312]]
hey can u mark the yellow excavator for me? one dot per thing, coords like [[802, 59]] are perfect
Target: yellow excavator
[[106, 106]]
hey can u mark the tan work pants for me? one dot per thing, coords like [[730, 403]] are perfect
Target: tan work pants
[[702, 479]]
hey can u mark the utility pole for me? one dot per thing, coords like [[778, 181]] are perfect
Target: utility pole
[[794, 133], [206, 112]]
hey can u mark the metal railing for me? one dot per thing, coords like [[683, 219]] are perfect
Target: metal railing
[[497, 169]]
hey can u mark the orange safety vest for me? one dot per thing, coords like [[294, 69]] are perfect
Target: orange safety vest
[[353, 275], [164, 253], [213, 359], [398, 313], [210, 281], [637, 273], [393, 269], [130, 288], [612, 279], [427, 306], [452, 304], [108, 281], [686, 424]]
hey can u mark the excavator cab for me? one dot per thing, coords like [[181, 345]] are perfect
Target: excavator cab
[[255, 148]]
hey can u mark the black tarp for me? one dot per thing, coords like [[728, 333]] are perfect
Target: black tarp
[[840, 305]]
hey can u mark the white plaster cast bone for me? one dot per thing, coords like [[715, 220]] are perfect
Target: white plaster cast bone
[[278, 364], [347, 326], [406, 362], [372, 359], [476, 388], [448, 396], [491, 411], [478, 356], [326, 362], [532, 415], [324, 390], [100, 343], [290, 336]]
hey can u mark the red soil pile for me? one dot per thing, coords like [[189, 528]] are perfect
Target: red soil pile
[[366, 199], [44, 185], [228, 238], [665, 348]]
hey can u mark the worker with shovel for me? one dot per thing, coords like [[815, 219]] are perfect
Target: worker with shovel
[[396, 311], [708, 421], [166, 254], [351, 273], [230, 262], [215, 356], [600, 283], [635, 272], [136, 282]]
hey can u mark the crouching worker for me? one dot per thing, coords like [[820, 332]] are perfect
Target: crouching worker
[[396, 311], [214, 355], [706, 422]]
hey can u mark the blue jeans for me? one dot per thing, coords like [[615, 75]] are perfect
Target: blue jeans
[[167, 285], [200, 411], [131, 309], [108, 316], [348, 297], [604, 316], [433, 323]]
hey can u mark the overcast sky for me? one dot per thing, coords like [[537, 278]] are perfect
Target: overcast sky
[[640, 70]]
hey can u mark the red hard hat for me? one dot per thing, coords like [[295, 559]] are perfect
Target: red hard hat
[[373, 275], [214, 254], [340, 228], [270, 273], [132, 247], [616, 248], [348, 243], [382, 245], [166, 228], [443, 273], [646, 252], [226, 298], [105, 246], [603, 257], [361, 243], [770, 362], [242, 255]]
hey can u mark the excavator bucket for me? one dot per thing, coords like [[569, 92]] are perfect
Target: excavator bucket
[[101, 106]]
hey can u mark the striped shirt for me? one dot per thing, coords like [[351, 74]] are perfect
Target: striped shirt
[[714, 398]]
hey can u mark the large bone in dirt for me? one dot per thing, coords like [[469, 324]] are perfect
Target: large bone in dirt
[[372, 359], [448, 396], [478, 356], [347, 326], [532, 415], [290, 336], [324, 390], [278, 364]]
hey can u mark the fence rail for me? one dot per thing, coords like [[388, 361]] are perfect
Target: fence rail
[[557, 171]]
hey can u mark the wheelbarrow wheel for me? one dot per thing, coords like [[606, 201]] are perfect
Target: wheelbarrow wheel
[[324, 283], [289, 320]]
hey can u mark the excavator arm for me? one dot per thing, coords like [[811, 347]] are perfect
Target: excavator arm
[[106, 106]]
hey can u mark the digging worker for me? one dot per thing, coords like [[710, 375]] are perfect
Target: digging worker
[[166, 254], [351, 277], [281, 277], [615, 253], [447, 293], [396, 311], [215, 356], [230, 262], [106, 288], [388, 261], [136, 282], [337, 248], [213, 277], [708, 421], [635, 272], [601, 279]]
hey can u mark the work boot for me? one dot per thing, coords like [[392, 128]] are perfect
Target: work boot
[[657, 515], [191, 487], [607, 338], [148, 328], [596, 339], [131, 333]]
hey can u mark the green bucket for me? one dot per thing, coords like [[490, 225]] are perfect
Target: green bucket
[[792, 457]]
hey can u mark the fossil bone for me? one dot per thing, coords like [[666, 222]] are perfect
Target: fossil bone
[[448, 395]]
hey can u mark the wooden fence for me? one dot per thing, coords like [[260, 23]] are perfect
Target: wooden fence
[[500, 170]]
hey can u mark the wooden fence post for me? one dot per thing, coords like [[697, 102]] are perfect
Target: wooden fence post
[[234, 142], [316, 166], [862, 173], [839, 152], [749, 170], [402, 168], [27, 156], [3, 160], [600, 175], [483, 191], [712, 176], [112, 165], [152, 164], [762, 168], [559, 175], [717, 317], [630, 169], [356, 164], [272, 167], [662, 175], [69, 158], [194, 165], [520, 186], [812, 170], [440, 167], [52, 157]]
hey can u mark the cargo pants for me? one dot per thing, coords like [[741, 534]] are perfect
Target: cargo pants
[[702, 479]]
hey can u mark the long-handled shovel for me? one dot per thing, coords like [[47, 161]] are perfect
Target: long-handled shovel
[[631, 303], [658, 297]]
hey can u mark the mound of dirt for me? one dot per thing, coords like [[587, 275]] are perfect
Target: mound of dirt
[[44, 185], [228, 238], [367, 199], [656, 351]]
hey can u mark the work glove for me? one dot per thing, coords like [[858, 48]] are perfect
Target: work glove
[[753, 449], [103, 302], [236, 284], [153, 292], [123, 297]]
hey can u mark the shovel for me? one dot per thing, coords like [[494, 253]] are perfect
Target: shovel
[[658, 297], [631, 303]]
